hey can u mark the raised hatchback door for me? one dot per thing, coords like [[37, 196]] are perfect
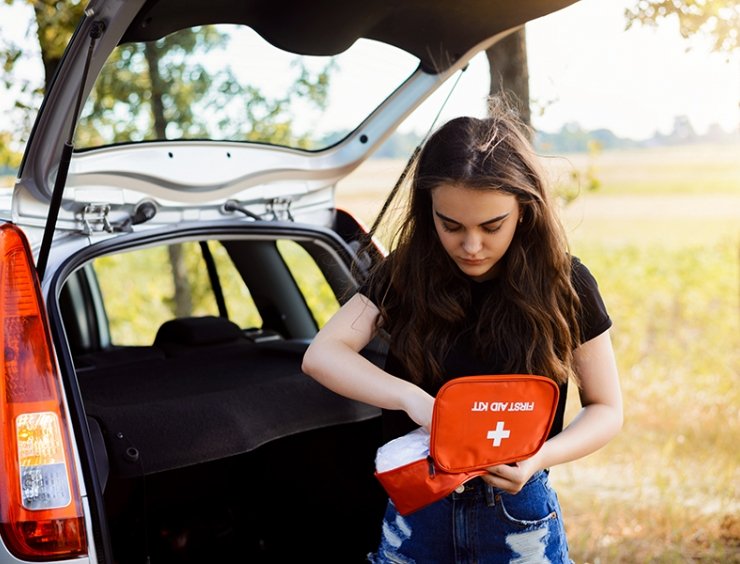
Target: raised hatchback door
[[196, 160]]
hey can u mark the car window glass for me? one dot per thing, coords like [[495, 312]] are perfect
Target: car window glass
[[142, 289], [239, 303], [311, 281], [226, 82]]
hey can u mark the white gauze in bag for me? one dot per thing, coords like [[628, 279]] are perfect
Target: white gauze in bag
[[403, 450]]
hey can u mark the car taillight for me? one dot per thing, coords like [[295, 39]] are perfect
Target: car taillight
[[41, 514]]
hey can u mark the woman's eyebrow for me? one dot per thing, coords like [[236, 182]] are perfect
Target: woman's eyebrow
[[492, 220]]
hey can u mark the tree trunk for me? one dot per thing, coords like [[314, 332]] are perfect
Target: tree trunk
[[157, 105], [509, 73], [55, 22], [49, 59], [183, 295]]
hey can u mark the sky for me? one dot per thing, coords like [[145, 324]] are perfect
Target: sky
[[585, 68], [633, 82]]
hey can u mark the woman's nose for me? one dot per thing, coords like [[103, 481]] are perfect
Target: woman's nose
[[472, 243]]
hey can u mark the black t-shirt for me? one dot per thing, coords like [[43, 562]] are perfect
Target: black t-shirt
[[462, 360]]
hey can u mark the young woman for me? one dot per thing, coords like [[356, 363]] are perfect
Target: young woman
[[480, 282]]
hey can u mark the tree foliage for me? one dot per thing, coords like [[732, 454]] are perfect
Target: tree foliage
[[156, 90], [54, 22], [152, 88], [163, 90], [9, 158], [718, 19]]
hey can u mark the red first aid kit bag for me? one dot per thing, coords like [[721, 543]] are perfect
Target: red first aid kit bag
[[477, 422]]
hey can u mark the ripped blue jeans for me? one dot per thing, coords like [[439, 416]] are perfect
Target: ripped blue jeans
[[479, 524]]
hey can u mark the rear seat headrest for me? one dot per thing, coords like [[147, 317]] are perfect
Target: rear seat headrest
[[196, 331]]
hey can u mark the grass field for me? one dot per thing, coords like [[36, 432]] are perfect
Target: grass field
[[662, 236]]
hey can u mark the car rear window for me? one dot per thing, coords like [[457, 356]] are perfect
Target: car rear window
[[225, 82], [144, 288]]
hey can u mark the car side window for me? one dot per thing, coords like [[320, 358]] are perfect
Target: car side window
[[239, 302], [144, 288], [311, 282]]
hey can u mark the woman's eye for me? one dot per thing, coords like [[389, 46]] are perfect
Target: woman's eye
[[450, 228], [491, 229]]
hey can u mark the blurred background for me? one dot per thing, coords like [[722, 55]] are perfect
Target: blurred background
[[639, 129], [634, 106]]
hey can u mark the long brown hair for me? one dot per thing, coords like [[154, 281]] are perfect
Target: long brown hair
[[530, 319]]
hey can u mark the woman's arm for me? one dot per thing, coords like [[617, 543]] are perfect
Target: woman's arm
[[594, 426], [333, 360]]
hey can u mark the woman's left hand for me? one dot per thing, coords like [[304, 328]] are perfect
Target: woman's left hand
[[511, 478]]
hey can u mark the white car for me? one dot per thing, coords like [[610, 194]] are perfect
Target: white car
[[160, 282]]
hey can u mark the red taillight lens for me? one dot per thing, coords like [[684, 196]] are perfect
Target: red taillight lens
[[40, 507]]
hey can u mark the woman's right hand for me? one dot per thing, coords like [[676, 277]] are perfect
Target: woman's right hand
[[333, 359], [419, 405]]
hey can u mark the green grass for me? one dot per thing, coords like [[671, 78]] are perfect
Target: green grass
[[666, 489]]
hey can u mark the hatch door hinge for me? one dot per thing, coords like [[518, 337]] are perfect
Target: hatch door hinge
[[95, 219], [279, 208]]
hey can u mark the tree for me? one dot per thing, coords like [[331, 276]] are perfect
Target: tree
[[9, 159], [683, 131], [507, 60], [163, 90], [717, 19], [55, 22]]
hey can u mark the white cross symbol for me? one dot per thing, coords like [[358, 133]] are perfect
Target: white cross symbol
[[498, 434]]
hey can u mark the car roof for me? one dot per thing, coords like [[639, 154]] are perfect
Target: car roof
[[435, 31]]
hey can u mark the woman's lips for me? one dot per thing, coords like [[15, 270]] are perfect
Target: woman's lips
[[472, 262]]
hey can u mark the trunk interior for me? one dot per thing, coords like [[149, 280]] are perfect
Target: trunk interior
[[212, 445]]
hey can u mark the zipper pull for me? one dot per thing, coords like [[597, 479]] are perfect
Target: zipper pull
[[432, 470]]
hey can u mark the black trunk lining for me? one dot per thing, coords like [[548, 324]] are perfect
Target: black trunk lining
[[164, 412]]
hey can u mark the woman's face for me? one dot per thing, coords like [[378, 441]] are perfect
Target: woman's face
[[475, 227]]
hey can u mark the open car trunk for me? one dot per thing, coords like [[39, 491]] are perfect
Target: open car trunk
[[210, 442]]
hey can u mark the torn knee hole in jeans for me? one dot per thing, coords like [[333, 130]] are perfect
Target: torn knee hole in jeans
[[395, 532]]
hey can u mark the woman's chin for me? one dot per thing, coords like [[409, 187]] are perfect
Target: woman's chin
[[479, 273]]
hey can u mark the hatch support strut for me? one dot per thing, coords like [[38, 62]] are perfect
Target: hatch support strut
[[96, 31]]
